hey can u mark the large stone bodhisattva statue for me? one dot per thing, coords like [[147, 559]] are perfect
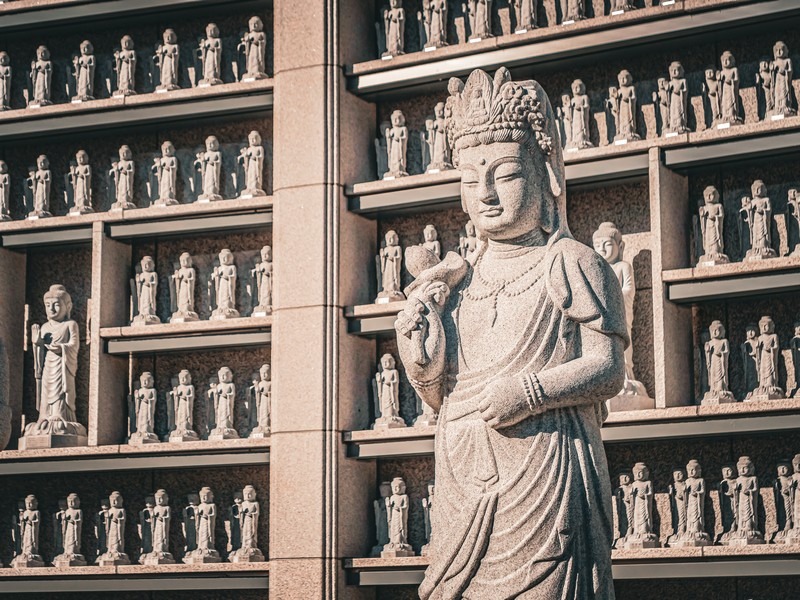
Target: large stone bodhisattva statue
[[517, 349]]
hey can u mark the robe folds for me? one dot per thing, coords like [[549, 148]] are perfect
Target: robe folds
[[528, 507]]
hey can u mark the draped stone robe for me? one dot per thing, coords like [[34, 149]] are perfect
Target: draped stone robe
[[527, 507]]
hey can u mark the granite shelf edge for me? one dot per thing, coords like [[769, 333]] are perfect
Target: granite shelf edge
[[135, 570], [179, 329]]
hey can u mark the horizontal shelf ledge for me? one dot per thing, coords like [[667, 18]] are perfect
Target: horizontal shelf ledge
[[190, 225], [25, 15], [193, 327], [185, 343], [677, 26], [99, 463], [676, 423], [658, 563], [47, 237], [733, 287], [149, 109]]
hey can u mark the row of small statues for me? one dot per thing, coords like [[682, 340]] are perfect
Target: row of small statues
[[222, 289], [760, 353], [756, 219], [721, 92], [165, 66], [198, 524], [721, 89], [219, 408], [163, 189], [433, 23], [391, 519], [606, 240], [738, 498]]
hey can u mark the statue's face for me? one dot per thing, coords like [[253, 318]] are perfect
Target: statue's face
[[43, 163], [711, 196], [470, 228], [225, 375], [710, 74], [676, 70], [796, 465], [30, 503], [206, 496], [116, 501], [398, 487], [751, 333], [168, 149], [744, 469], [678, 475], [54, 308], [766, 326], [387, 362], [86, 48], [624, 479], [438, 110], [693, 470], [162, 499], [783, 470], [148, 265], [797, 329], [170, 37], [256, 24], [73, 502], [3, 168], [392, 239], [727, 61], [398, 120], [212, 144], [212, 30], [147, 380], [499, 190], [5, 59], [607, 247], [727, 472], [186, 260], [44, 53], [266, 253], [226, 258], [641, 474], [127, 43], [430, 234], [759, 189], [185, 378], [717, 331], [780, 50], [249, 494], [125, 153], [431, 490], [264, 372]]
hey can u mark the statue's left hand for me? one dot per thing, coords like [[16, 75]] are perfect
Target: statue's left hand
[[505, 403], [54, 348]]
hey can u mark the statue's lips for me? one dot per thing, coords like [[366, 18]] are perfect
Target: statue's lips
[[494, 211]]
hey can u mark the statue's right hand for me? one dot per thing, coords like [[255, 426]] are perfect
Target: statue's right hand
[[421, 339], [35, 334]]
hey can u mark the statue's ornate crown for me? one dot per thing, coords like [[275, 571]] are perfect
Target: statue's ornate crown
[[485, 110]]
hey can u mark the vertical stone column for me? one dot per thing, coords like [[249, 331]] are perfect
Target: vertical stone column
[[108, 375], [672, 324], [12, 335]]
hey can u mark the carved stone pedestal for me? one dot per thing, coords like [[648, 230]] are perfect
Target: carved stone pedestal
[[74, 560], [140, 438], [636, 543], [712, 260], [140, 320], [625, 402], [754, 255], [31, 561], [389, 423], [387, 297], [696, 541], [750, 538], [112, 560], [221, 315], [223, 434], [399, 551], [717, 398], [259, 433], [52, 440], [773, 393], [184, 436], [196, 557], [247, 556], [426, 420], [157, 558], [180, 317]]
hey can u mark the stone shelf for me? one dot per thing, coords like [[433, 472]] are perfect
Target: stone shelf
[[681, 422], [153, 221], [129, 578], [247, 99], [22, 15], [372, 320], [654, 563], [550, 48], [734, 280], [197, 335], [188, 455]]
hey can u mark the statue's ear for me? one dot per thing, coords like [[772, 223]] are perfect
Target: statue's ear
[[554, 178], [621, 249]]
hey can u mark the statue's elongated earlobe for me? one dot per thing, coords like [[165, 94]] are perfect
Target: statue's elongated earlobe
[[555, 184]]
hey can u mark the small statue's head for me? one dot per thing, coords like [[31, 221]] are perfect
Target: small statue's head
[[42, 53], [254, 138], [744, 466], [57, 303], [693, 469], [625, 78], [717, 330], [391, 238], [206, 495], [249, 493], [256, 24], [727, 471], [3, 167], [766, 325], [727, 59], [82, 157], [396, 3], [751, 331], [264, 372], [625, 478], [607, 242], [5, 59], [212, 31], [185, 377], [566, 100], [578, 87], [796, 463], [438, 110], [641, 472], [676, 70], [168, 148], [127, 42], [42, 162], [385, 489], [146, 379], [784, 468], [430, 233], [266, 254], [431, 489], [662, 83], [162, 498], [758, 189], [398, 486], [73, 501], [212, 143], [115, 499], [148, 264], [678, 474], [780, 50], [238, 497], [125, 152], [398, 118], [226, 257], [170, 37], [502, 134], [387, 362], [31, 503], [86, 47], [711, 74], [149, 501], [711, 195], [225, 375], [193, 499], [470, 228], [186, 260]]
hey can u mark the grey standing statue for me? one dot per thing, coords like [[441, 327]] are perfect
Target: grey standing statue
[[79, 185], [180, 409], [39, 183], [572, 10], [782, 74], [254, 48], [756, 215], [209, 52], [30, 520], [122, 173], [41, 79], [5, 192], [71, 528], [792, 205], [125, 66], [717, 354], [525, 15], [83, 67], [479, 13], [262, 275], [433, 20], [622, 104], [166, 59], [394, 28], [5, 81], [793, 536], [517, 350], [712, 221], [381, 522], [165, 170]]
